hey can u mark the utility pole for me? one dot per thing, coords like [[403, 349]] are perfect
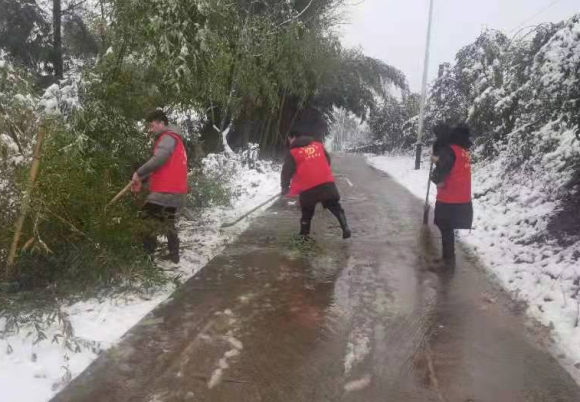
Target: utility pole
[[424, 91], [57, 39]]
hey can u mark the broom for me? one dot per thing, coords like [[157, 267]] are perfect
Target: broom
[[427, 207], [230, 224]]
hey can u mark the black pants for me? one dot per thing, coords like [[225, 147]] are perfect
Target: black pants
[[450, 217], [308, 213], [161, 220], [448, 243]]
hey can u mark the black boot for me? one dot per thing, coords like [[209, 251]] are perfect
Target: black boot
[[173, 246], [448, 246], [337, 211], [174, 258], [346, 234], [305, 229], [150, 244]]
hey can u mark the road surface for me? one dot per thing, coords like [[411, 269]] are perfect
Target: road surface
[[365, 320]]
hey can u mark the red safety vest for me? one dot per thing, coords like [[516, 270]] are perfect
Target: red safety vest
[[456, 188], [312, 168], [172, 176]]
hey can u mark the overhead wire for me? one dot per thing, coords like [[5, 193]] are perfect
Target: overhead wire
[[542, 11]]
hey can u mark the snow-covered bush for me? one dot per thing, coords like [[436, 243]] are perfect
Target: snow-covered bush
[[522, 99], [91, 149], [18, 126], [223, 178]]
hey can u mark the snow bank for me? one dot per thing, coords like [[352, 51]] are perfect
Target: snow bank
[[511, 215], [35, 372]]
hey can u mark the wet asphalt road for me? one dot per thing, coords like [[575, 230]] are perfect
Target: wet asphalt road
[[370, 319]]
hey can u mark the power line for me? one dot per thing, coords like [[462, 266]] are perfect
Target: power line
[[542, 11]]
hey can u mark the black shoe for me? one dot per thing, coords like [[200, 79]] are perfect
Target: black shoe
[[346, 233], [150, 245], [174, 258]]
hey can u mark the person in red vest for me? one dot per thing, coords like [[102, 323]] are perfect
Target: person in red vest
[[307, 174], [452, 175], [167, 175]]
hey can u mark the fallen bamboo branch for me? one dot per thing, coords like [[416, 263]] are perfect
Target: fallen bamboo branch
[[25, 203], [73, 227], [203, 377], [433, 374]]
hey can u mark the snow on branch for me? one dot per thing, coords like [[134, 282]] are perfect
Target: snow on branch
[[228, 150]]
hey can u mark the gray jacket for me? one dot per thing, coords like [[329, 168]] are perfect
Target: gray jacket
[[161, 155]]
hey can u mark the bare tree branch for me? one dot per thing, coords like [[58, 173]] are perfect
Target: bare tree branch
[[298, 16], [71, 8]]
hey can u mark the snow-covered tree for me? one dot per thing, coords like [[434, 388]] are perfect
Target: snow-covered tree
[[392, 121]]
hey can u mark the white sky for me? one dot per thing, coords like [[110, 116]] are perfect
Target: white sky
[[395, 30]]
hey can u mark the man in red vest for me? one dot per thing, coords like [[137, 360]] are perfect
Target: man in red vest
[[167, 173], [307, 174], [452, 175]]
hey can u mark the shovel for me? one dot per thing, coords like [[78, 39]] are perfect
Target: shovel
[[241, 218]]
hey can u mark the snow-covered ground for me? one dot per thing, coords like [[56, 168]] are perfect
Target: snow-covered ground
[[35, 373], [510, 214]]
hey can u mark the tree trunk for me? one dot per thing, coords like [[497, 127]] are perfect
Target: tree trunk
[[260, 134], [56, 20], [246, 134], [280, 114], [102, 28], [267, 132], [25, 204]]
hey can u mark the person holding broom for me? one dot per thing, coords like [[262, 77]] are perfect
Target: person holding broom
[[167, 175], [452, 175], [307, 173]]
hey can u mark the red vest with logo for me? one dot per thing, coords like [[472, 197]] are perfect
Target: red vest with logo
[[456, 188], [312, 168], [172, 176]]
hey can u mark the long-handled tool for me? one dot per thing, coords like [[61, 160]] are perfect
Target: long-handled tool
[[122, 193], [118, 196], [427, 205], [241, 218]]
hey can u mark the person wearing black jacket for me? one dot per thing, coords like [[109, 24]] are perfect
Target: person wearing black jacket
[[452, 175]]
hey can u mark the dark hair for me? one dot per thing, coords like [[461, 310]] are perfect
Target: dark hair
[[295, 134], [310, 122], [157, 115], [442, 132], [460, 135]]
